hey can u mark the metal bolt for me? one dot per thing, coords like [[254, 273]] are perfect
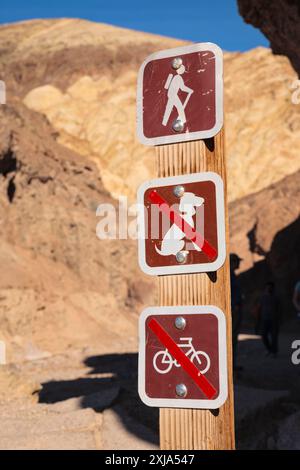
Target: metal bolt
[[179, 191], [178, 125], [176, 63], [181, 257], [180, 323], [181, 390]]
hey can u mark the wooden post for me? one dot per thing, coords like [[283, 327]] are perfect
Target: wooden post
[[184, 429]]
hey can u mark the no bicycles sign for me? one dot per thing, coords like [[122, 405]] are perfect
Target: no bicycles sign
[[183, 357]]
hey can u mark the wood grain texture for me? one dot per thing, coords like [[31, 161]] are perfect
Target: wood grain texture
[[198, 429]]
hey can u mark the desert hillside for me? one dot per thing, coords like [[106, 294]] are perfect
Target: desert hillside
[[82, 76], [60, 285]]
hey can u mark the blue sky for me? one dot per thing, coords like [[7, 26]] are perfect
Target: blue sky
[[195, 20]]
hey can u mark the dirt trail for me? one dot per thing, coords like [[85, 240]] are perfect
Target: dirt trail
[[88, 400], [267, 391], [77, 401]]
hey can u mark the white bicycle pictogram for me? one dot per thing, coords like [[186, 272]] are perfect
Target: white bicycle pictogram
[[166, 361]]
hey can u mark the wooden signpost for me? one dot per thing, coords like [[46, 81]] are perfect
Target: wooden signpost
[[180, 110]]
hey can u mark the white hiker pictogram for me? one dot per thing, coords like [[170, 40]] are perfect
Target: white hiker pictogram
[[173, 241], [163, 362], [174, 84]]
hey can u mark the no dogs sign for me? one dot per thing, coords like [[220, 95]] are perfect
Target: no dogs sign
[[181, 224]]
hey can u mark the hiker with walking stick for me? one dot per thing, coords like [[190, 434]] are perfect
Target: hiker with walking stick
[[174, 84]]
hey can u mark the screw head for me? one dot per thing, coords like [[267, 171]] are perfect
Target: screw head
[[181, 390], [181, 257], [178, 125], [180, 323], [179, 191], [177, 63]]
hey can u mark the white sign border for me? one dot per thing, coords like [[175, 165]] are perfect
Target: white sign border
[[187, 136], [185, 268], [182, 402]]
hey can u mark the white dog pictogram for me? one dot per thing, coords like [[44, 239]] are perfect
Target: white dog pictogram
[[173, 241]]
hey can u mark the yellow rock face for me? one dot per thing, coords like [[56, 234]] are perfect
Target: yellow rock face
[[263, 124], [97, 119]]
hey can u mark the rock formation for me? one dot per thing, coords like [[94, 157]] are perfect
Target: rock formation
[[82, 76], [60, 286], [265, 232], [279, 21]]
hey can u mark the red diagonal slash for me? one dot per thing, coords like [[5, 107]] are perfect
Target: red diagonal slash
[[188, 230], [207, 388]]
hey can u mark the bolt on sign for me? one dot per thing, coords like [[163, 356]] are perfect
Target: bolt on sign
[[182, 224], [180, 95], [183, 357]]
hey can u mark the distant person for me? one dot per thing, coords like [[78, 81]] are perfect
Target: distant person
[[296, 298], [270, 315], [236, 306], [257, 318]]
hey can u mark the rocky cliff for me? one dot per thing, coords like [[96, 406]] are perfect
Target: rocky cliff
[[265, 231], [279, 21], [60, 286], [82, 76]]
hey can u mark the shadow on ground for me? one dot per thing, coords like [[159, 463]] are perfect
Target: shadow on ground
[[267, 390], [110, 383]]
